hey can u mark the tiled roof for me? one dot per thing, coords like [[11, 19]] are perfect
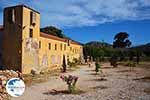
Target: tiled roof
[[52, 37], [45, 35]]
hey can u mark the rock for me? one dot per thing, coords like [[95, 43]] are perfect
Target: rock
[[13, 73], [42, 72], [5, 75], [34, 72]]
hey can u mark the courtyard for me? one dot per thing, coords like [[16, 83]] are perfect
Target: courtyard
[[121, 83]]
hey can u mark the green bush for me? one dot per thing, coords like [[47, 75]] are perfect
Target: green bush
[[74, 63], [71, 64], [113, 61], [71, 82], [130, 64], [97, 66]]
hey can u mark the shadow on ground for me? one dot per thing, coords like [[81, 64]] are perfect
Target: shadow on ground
[[147, 90], [99, 87], [58, 92], [108, 67], [143, 79], [128, 70], [100, 79]]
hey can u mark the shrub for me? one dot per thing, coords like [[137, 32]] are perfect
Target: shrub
[[130, 64], [71, 82], [74, 62], [113, 61], [71, 64], [97, 66]]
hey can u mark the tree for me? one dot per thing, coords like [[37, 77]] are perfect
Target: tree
[[121, 40], [64, 64], [53, 31]]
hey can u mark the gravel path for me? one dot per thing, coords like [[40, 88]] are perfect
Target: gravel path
[[118, 84]]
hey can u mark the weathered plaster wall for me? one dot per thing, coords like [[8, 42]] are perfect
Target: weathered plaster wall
[[50, 57], [30, 56], [12, 40], [30, 46], [54, 58], [22, 52]]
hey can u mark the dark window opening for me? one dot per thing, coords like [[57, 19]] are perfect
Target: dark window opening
[[64, 46], [31, 15], [55, 46], [49, 46], [60, 46], [11, 15], [32, 18], [39, 44], [70, 48], [68, 42], [31, 33]]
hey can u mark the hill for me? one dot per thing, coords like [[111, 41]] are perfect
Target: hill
[[99, 44], [145, 49], [142, 47], [53, 31]]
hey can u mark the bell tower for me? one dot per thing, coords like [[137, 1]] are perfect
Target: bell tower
[[21, 38], [11, 52], [30, 39]]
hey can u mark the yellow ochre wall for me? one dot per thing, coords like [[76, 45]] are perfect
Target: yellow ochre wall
[[25, 53], [30, 59], [53, 58]]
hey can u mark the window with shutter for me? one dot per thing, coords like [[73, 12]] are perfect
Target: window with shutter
[[11, 16], [32, 18]]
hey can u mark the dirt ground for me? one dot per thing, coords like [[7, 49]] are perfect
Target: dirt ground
[[121, 83]]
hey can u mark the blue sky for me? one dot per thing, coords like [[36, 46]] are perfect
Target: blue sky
[[90, 20]]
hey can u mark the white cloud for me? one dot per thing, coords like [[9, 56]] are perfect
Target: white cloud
[[76, 13], [145, 2]]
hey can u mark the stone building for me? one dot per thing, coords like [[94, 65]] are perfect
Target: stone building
[[25, 48]]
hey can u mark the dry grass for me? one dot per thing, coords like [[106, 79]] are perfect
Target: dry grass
[[32, 79]]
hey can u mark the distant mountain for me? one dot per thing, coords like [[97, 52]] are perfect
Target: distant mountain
[[99, 44], [144, 47]]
